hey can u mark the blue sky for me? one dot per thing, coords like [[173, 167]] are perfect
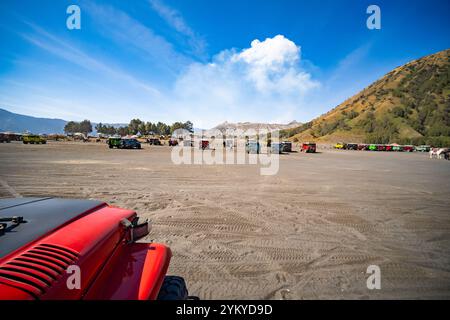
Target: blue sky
[[205, 61]]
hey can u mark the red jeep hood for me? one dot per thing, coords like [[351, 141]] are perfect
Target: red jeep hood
[[71, 232]]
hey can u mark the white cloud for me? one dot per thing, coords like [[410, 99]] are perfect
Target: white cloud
[[272, 65], [262, 83]]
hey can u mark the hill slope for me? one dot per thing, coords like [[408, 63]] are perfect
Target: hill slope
[[411, 104], [14, 122]]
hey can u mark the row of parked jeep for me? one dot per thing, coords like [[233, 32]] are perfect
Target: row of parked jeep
[[26, 138], [280, 147], [130, 143], [381, 147]]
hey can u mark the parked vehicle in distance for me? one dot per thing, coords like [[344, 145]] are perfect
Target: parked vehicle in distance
[[123, 143], [447, 155], [308, 147], [173, 142], [33, 139], [252, 146], [154, 141], [352, 146], [204, 144], [423, 148], [79, 136], [287, 146], [408, 148], [114, 142], [43, 237], [381, 147], [130, 144], [4, 137], [276, 147], [363, 146], [229, 143]]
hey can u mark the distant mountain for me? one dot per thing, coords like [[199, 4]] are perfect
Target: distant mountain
[[20, 123], [228, 126], [410, 104]]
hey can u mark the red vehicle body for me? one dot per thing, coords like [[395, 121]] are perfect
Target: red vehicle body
[[408, 148], [204, 144], [308, 147], [99, 239], [363, 146], [381, 147]]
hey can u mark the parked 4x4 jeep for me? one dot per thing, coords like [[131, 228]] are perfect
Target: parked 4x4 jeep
[[308, 147], [276, 147], [33, 139], [114, 142], [287, 146], [130, 144], [154, 141], [423, 148], [252, 146], [80, 249], [4, 137], [123, 143]]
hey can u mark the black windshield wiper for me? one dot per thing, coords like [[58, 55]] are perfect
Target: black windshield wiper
[[16, 220]]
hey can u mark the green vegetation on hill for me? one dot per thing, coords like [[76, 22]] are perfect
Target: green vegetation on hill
[[286, 133], [409, 105]]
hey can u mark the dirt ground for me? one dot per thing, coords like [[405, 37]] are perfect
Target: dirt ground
[[309, 232]]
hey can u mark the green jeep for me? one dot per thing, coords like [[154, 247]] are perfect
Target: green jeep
[[115, 142]]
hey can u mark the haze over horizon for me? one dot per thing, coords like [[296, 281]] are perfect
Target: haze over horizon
[[165, 60]]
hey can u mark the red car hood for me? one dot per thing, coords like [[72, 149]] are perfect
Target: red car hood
[[69, 232]]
